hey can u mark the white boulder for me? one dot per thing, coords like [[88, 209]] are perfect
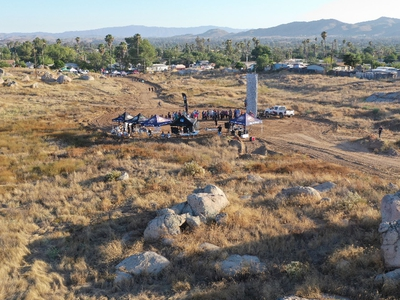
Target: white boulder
[[147, 262], [390, 207]]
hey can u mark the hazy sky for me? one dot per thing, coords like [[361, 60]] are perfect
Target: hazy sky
[[71, 15]]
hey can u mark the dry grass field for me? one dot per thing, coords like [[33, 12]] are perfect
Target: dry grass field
[[64, 220]]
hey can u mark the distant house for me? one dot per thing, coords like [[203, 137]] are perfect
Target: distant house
[[158, 68]]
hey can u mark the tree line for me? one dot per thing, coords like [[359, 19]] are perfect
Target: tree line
[[138, 52]]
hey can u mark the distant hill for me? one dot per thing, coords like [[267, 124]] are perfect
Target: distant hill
[[122, 32], [381, 28]]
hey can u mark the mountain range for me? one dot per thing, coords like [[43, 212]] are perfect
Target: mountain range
[[381, 28]]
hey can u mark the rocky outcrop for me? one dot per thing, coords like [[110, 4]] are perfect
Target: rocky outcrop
[[201, 206], [147, 262], [166, 223]]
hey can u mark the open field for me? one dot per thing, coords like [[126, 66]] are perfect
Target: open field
[[65, 225]]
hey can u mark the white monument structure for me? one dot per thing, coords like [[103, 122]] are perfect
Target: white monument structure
[[252, 94]]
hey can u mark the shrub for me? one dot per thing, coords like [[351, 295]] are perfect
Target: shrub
[[112, 176], [192, 169]]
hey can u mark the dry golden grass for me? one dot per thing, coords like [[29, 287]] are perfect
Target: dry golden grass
[[63, 215]]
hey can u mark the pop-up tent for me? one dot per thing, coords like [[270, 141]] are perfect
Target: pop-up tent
[[156, 121], [189, 125], [125, 117], [138, 119], [245, 120]]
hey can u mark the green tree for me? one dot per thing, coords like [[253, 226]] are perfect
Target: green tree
[[261, 50], [351, 59], [262, 62], [390, 58]]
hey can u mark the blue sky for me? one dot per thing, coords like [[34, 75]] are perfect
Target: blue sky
[[75, 15]]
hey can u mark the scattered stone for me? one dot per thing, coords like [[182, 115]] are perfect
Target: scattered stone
[[221, 219], [392, 277], [102, 77], [1, 72], [299, 191], [87, 77], [147, 262], [393, 186], [26, 78], [254, 178], [326, 199], [209, 247], [324, 187], [35, 85], [124, 176], [245, 197], [390, 207], [236, 264]]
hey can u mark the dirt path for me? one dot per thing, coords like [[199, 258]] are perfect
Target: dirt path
[[310, 137], [319, 141]]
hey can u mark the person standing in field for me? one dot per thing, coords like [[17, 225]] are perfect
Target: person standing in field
[[380, 131]]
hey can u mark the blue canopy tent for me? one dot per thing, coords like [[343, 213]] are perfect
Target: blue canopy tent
[[138, 119], [244, 120], [123, 118], [156, 121]]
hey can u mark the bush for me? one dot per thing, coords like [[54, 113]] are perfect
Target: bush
[[193, 169]]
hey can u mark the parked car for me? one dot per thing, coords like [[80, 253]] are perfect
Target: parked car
[[278, 110]]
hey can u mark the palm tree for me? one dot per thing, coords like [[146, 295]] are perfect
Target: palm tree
[[124, 48], [77, 40], [109, 40], [324, 34], [138, 39]]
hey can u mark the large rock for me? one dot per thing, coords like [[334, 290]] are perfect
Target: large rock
[[48, 77], [143, 263], [390, 207], [207, 202], [166, 223], [237, 264], [390, 243], [63, 79], [304, 191]]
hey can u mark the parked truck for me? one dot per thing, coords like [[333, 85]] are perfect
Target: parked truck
[[278, 110]]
